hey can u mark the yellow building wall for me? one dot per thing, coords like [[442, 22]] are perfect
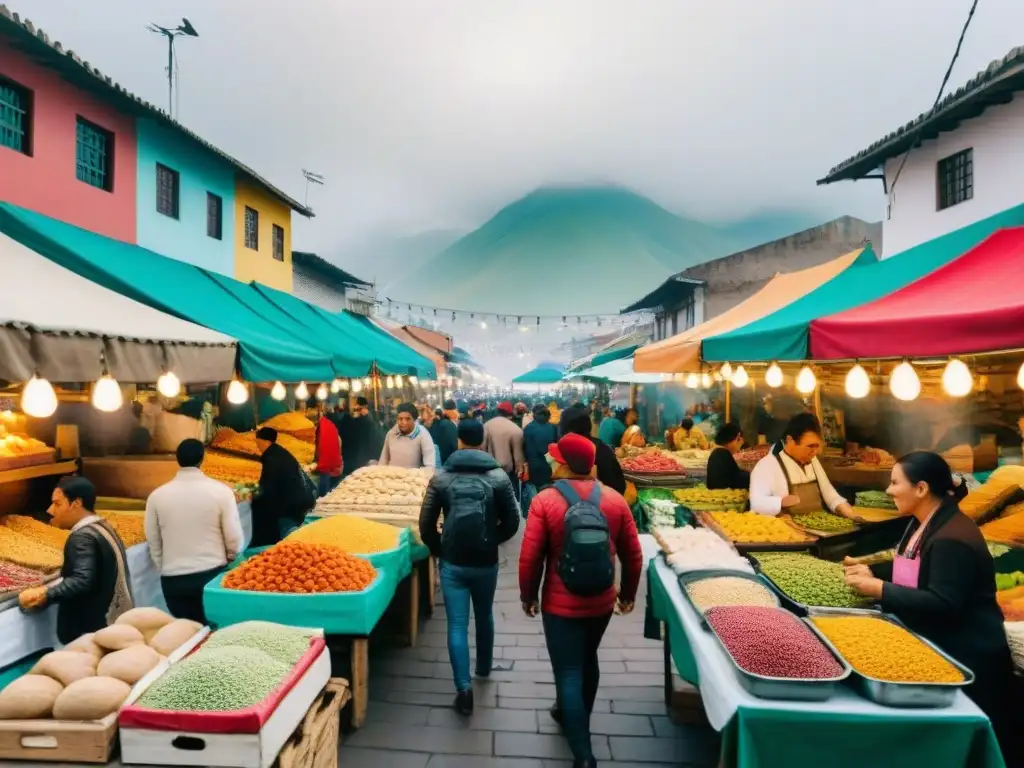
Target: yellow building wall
[[259, 265]]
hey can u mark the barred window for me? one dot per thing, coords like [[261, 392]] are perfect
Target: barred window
[[956, 179], [15, 117], [94, 155], [278, 243], [252, 229], [214, 216], [168, 189]]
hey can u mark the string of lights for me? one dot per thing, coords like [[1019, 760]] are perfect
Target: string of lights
[[524, 322]]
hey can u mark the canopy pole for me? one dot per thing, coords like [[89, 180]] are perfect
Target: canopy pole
[[817, 400], [728, 401]]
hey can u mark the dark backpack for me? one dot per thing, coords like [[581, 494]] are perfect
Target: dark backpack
[[585, 565], [469, 522]]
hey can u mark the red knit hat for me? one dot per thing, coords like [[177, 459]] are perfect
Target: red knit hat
[[576, 452], [505, 407]]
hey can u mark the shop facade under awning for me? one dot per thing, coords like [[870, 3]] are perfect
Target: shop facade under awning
[[64, 326], [972, 304], [617, 372], [265, 351], [784, 335], [682, 353]]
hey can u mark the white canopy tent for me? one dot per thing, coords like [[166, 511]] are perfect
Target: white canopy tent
[[620, 372], [64, 325]]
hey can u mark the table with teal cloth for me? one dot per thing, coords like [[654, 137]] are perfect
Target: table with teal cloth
[[847, 731]]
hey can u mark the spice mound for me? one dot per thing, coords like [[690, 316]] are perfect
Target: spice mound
[[772, 643], [727, 590], [879, 649], [295, 566], [352, 534], [808, 580], [216, 680]]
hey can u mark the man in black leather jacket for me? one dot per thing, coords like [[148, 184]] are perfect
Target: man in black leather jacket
[[94, 588], [481, 512]]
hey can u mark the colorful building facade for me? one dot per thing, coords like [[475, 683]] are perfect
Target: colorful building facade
[[263, 238]]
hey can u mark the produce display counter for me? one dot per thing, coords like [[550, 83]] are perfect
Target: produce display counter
[[49, 469], [845, 730]]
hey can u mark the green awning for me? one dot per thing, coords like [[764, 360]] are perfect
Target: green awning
[[424, 370], [540, 375], [784, 335], [267, 352]]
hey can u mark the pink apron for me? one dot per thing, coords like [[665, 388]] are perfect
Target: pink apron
[[907, 567]]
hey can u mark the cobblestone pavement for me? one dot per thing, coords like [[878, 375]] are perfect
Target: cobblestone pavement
[[410, 723]]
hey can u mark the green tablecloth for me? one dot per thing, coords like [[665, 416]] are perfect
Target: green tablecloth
[[844, 732]]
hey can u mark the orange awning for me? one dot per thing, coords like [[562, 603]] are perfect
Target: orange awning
[[681, 353], [407, 338]]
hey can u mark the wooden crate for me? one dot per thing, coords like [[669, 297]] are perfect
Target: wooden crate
[[315, 743], [55, 741]]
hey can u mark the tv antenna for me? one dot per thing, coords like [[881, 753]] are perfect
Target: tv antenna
[[311, 178], [186, 29]]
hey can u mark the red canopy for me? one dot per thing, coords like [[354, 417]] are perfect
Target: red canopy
[[972, 304]]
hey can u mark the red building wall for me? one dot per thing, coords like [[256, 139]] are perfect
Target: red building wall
[[46, 181]]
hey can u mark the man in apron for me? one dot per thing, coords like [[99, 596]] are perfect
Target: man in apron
[[790, 479]]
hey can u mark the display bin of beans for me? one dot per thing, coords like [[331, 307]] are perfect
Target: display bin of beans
[[705, 590], [891, 665], [338, 612], [802, 580], [230, 703], [751, 532], [385, 546], [775, 655], [824, 525]]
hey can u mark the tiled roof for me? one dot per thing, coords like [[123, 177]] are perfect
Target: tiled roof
[[319, 264], [51, 53], [995, 84]]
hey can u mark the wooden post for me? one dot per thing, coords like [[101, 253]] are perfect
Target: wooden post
[[817, 399], [728, 402], [414, 608], [360, 682]]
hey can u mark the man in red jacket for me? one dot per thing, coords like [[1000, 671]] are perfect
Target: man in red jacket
[[574, 623], [327, 454]]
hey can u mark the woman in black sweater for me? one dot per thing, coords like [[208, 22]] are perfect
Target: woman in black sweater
[[942, 585], [723, 471]]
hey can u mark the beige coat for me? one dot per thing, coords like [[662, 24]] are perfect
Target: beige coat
[[504, 441]]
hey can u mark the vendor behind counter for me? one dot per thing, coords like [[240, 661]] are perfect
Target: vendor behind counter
[[723, 472]]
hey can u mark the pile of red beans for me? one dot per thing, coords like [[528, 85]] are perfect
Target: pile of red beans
[[773, 643]]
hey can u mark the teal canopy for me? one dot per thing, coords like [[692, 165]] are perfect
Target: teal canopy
[[784, 334], [542, 374]]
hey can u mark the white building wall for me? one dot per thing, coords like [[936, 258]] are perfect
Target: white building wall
[[307, 286], [997, 138]]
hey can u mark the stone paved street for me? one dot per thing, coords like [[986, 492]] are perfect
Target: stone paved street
[[410, 723]]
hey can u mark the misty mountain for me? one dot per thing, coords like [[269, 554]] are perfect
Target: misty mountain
[[385, 258], [765, 226]]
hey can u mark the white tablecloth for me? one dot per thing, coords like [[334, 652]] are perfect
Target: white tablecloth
[[723, 694], [23, 634]]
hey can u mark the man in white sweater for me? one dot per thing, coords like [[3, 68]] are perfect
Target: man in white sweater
[[193, 530], [408, 444]]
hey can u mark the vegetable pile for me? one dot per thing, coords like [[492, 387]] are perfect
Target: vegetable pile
[[728, 590], [772, 642], [874, 500], [752, 455], [751, 528], [1009, 580], [298, 567], [352, 534], [881, 650], [293, 424], [652, 463], [284, 644], [825, 522], [808, 580], [656, 494], [394, 488], [700, 498], [698, 549]]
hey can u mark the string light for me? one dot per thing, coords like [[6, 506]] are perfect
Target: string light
[[238, 393], [740, 378], [414, 381], [398, 381], [692, 381], [725, 371], [806, 380], [336, 386], [278, 392], [322, 392], [705, 380], [1020, 376], [343, 385], [357, 385], [957, 379], [390, 383], [106, 394], [366, 381], [773, 376], [38, 398], [858, 383], [904, 383], [302, 391], [168, 384]]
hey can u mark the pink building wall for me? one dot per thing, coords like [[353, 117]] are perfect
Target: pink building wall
[[46, 181]]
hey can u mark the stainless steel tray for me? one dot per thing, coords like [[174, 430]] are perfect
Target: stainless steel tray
[[896, 694], [788, 688], [692, 576], [800, 609]]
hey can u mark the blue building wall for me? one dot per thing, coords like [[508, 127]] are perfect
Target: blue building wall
[[199, 172]]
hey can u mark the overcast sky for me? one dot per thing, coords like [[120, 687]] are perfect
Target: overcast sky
[[433, 114]]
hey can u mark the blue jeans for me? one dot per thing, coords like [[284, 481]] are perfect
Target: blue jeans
[[572, 648], [461, 584], [326, 484]]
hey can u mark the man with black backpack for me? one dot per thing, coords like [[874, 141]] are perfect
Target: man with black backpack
[[480, 512], [574, 532]]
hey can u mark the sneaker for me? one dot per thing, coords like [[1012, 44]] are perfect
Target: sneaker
[[464, 703]]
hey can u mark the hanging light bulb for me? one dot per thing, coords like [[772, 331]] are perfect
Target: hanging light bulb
[[806, 381], [390, 383], [343, 385], [773, 376], [413, 381], [904, 383], [38, 398], [957, 379], [858, 383], [238, 393], [302, 391], [336, 386], [398, 381], [705, 380], [740, 377], [366, 381], [168, 384], [106, 394], [322, 392], [726, 370], [692, 381], [278, 392], [357, 385], [1020, 376]]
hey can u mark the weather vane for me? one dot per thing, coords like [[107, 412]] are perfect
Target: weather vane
[[311, 178], [186, 29]]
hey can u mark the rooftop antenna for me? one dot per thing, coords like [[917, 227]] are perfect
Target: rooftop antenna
[[311, 178], [186, 29]]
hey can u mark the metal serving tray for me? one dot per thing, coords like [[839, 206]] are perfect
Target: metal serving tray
[[692, 576], [893, 694], [800, 609], [787, 688]]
